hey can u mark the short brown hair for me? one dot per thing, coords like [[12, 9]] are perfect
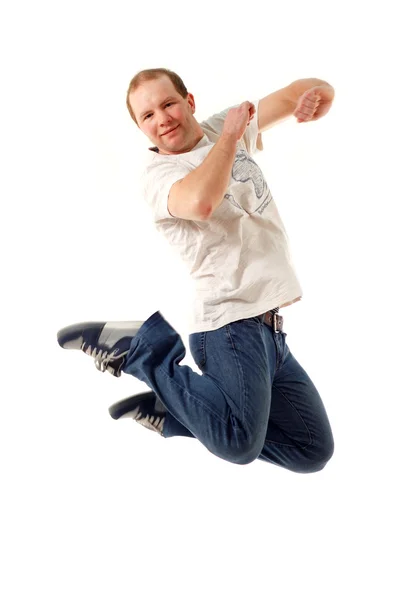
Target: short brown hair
[[148, 75]]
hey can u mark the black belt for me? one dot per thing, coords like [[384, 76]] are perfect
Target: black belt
[[272, 319]]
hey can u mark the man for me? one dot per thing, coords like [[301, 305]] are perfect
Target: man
[[211, 201]]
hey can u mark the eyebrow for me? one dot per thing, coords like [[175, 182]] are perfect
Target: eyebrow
[[163, 102]]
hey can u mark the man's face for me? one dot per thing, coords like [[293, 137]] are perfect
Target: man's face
[[165, 117]]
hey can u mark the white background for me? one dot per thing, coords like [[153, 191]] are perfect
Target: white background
[[96, 508]]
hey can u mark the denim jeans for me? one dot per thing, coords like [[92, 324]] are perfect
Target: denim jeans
[[252, 399]]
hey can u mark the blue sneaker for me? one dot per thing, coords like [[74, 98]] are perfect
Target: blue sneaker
[[107, 343], [144, 408]]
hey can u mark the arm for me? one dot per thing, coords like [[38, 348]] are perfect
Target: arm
[[206, 185], [197, 195], [306, 99]]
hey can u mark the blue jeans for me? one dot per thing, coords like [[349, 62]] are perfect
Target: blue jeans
[[252, 400]]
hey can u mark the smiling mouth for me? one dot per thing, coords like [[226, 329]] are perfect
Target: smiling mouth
[[167, 132]]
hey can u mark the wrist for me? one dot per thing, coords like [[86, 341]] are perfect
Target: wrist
[[296, 89], [229, 137]]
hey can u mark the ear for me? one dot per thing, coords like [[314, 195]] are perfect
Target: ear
[[191, 102]]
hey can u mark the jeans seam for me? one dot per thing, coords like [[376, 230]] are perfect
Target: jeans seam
[[242, 416], [279, 356], [299, 414], [281, 444]]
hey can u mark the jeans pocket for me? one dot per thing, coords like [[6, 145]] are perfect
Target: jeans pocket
[[197, 345]]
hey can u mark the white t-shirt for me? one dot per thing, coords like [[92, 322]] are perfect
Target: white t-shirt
[[239, 259]]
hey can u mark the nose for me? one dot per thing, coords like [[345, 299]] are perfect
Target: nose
[[164, 121]]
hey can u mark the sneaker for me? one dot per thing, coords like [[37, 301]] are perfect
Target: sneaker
[[145, 408], [107, 343]]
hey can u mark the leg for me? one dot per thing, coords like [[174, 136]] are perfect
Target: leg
[[226, 408], [299, 435]]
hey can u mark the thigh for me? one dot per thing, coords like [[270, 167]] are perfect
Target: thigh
[[297, 416], [240, 360]]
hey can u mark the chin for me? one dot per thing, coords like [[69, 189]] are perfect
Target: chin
[[172, 146]]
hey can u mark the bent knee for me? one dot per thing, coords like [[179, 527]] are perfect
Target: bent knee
[[317, 457], [244, 453], [247, 454]]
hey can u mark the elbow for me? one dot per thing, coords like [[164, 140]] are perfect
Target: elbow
[[203, 209], [207, 206], [205, 213]]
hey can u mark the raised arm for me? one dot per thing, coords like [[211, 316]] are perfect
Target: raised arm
[[197, 195], [305, 99]]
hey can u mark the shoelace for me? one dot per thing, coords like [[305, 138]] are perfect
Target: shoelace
[[153, 422], [102, 357]]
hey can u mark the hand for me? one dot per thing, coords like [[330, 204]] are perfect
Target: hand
[[314, 103], [238, 119]]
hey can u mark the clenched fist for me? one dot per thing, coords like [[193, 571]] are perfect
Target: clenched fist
[[238, 118], [314, 103]]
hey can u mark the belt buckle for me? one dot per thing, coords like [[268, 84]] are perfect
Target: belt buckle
[[277, 328]]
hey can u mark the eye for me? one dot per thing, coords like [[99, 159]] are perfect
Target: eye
[[169, 103], [146, 117]]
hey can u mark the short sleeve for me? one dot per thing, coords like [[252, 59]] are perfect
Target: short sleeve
[[252, 138], [157, 181]]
